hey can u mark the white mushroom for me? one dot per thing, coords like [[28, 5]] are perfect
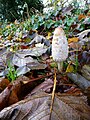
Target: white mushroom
[[59, 47]]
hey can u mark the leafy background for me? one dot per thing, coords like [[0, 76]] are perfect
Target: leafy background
[[27, 71]]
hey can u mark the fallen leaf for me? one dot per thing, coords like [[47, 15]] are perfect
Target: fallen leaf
[[36, 107], [1, 46], [84, 34], [87, 21], [4, 97], [74, 39], [8, 26], [40, 39], [70, 68], [9, 37], [36, 66], [88, 14], [16, 22], [81, 16], [24, 47], [45, 86], [11, 93], [22, 70], [74, 91], [3, 83], [20, 60], [20, 88], [67, 10], [74, 45], [85, 57], [35, 51], [49, 35]]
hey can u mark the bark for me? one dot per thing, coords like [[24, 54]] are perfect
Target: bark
[[79, 80], [83, 83], [86, 72]]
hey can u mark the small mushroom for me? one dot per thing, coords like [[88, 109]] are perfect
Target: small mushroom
[[59, 47]]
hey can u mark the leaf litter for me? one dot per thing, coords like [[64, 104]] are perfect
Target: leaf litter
[[36, 94], [27, 99]]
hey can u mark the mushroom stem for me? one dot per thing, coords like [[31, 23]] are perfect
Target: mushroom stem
[[60, 66]]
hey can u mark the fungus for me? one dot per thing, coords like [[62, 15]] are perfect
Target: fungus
[[59, 47]]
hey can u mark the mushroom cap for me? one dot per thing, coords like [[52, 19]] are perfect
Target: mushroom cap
[[59, 31], [59, 45]]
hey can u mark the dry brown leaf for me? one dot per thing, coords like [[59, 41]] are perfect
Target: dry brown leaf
[[4, 96], [49, 35], [8, 26], [37, 107], [21, 87], [9, 37], [88, 14], [12, 92], [74, 45], [70, 68], [74, 39], [3, 83], [81, 16], [45, 86]]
